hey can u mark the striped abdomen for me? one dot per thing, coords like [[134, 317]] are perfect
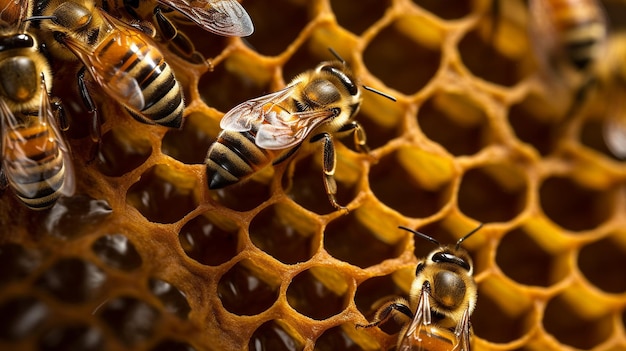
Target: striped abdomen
[[581, 27], [134, 61], [34, 165], [233, 157]]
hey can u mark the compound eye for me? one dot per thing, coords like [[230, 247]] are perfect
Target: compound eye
[[445, 257], [420, 267]]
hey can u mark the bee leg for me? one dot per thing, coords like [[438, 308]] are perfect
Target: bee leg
[[179, 41], [580, 96], [60, 114], [329, 161], [388, 310], [360, 140], [91, 106]]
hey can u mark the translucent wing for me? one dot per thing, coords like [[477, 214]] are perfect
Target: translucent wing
[[462, 333], [223, 17], [542, 34], [244, 116], [412, 339], [12, 14]]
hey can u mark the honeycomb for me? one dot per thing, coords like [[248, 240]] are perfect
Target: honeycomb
[[145, 257]]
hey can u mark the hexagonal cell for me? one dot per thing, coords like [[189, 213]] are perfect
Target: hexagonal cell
[[572, 319], [493, 192], [212, 87], [446, 9], [358, 18], [72, 280], [174, 301], [131, 320], [284, 235], [419, 185], [206, 242], [318, 293], [539, 268], [501, 69], [602, 263], [243, 196], [117, 251], [275, 335], [74, 216], [535, 122], [345, 338], [502, 314], [310, 54], [190, 144], [342, 234], [172, 345], [306, 187], [158, 188], [247, 289], [72, 337], [573, 205], [122, 150], [209, 44], [274, 33], [420, 56], [455, 122], [17, 262], [22, 317]]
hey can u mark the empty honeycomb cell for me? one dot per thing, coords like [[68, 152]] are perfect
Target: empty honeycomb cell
[[358, 18], [272, 335], [172, 345], [412, 189], [493, 192], [72, 280], [310, 54], [22, 316], [75, 216], [246, 289], [131, 320], [455, 122], [190, 144], [602, 263], [518, 246], [572, 319], [318, 293], [159, 187], [475, 51], [243, 196], [213, 85], [17, 262], [536, 123], [174, 300], [274, 233], [206, 242], [345, 338], [117, 251], [208, 44], [72, 337], [341, 235], [446, 9], [121, 151], [276, 26], [306, 186], [420, 58], [374, 291], [574, 206], [502, 314]]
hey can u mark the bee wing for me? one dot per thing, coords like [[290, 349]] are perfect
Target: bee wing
[[223, 17], [422, 318], [242, 117], [542, 34], [462, 333], [13, 13], [285, 133], [47, 115]]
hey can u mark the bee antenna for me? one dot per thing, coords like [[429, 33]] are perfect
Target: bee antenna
[[379, 93], [458, 243], [336, 54], [421, 235]]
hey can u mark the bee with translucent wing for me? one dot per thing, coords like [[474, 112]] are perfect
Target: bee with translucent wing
[[316, 105], [442, 298]]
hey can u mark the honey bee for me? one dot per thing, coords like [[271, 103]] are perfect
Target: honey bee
[[442, 298], [222, 17], [120, 58], [269, 129], [36, 163]]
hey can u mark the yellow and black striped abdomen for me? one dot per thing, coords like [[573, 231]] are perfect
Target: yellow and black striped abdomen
[[131, 63], [34, 165], [234, 156]]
